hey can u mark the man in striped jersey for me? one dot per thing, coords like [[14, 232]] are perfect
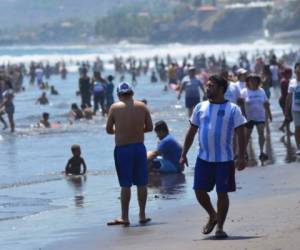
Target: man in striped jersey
[[216, 121]]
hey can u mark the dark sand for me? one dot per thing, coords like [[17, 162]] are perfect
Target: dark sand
[[264, 214]]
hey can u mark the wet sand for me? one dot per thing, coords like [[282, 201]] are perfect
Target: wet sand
[[264, 214]]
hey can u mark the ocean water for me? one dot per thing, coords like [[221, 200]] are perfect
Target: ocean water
[[38, 205]]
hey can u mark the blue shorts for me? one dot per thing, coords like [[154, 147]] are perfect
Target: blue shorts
[[191, 102], [165, 166], [39, 81], [10, 108], [209, 174], [131, 164]]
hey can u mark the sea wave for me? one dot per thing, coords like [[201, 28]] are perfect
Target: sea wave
[[77, 53]]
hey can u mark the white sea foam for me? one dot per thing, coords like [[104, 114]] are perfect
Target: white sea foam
[[71, 54]]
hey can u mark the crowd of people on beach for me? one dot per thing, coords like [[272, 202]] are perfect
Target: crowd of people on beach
[[248, 76], [224, 102]]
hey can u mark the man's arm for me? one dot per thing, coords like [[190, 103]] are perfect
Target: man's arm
[[2, 104], [288, 104], [189, 138], [67, 167], [241, 134], [79, 85], [148, 122], [202, 89], [241, 103], [110, 122], [84, 167], [152, 154], [181, 87]]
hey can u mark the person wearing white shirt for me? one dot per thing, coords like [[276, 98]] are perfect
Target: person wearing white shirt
[[241, 75], [293, 103], [39, 74], [255, 106], [232, 93]]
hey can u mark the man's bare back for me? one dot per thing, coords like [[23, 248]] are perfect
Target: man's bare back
[[128, 120]]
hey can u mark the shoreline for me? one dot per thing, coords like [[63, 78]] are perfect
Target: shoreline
[[147, 43], [264, 214]]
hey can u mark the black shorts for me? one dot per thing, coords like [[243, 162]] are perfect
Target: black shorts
[[251, 124], [191, 102]]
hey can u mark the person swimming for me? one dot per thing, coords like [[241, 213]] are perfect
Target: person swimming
[[53, 91], [44, 122], [43, 100], [76, 112]]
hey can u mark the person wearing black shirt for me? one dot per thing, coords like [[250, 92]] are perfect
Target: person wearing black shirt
[[85, 88]]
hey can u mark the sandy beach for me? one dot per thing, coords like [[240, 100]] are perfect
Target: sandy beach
[[264, 214]]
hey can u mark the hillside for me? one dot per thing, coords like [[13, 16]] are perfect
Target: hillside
[[22, 14], [155, 21]]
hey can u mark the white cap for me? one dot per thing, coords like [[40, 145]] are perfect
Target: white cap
[[241, 71], [124, 88]]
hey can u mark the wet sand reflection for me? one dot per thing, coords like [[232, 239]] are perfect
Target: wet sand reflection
[[77, 182], [167, 184]]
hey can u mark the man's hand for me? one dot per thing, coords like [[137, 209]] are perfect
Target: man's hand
[[270, 118], [240, 164], [288, 117], [183, 161]]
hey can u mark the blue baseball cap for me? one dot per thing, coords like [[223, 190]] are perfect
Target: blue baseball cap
[[124, 88]]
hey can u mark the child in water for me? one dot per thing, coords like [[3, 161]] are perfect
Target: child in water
[[74, 164], [44, 122]]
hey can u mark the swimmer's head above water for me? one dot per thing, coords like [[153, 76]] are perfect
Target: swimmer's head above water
[[76, 151]]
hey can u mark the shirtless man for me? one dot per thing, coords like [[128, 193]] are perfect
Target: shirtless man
[[43, 100], [129, 119]]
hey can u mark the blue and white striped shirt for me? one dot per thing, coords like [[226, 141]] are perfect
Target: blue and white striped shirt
[[216, 123]]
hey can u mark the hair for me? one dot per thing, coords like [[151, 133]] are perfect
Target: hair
[[161, 126], [253, 78], [126, 95], [287, 72], [75, 147], [144, 101], [46, 114], [220, 81], [110, 78], [74, 106], [297, 64]]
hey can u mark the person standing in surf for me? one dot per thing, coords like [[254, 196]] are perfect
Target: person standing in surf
[[8, 104], [191, 85], [128, 120], [2, 112]]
